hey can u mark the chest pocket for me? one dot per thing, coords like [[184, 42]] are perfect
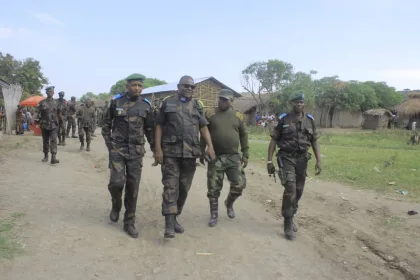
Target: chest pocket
[[171, 113], [140, 117], [288, 131]]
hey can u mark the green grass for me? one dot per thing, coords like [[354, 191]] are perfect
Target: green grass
[[365, 159], [8, 245]]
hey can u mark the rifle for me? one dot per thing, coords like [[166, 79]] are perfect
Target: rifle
[[280, 173]]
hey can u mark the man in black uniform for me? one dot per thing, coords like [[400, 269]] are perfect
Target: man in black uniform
[[62, 118], [128, 119], [178, 124], [294, 135]]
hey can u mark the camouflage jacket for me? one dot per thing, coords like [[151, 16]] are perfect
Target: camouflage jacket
[[293, 134], [86, 116], [71, 109], [126, 122], [63, 107], [181, 123], [48, 114]]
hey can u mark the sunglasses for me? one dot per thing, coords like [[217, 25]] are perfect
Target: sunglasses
[[189, 86]]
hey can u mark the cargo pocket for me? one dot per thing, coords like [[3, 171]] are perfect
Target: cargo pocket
[[140, 150]]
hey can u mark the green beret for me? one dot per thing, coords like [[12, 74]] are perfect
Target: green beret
[[298, 96], [49, 88], [135, 77], [226, 93]]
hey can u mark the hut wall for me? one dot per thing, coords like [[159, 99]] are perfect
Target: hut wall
[[340, 118], [370, 122], [207, 91]]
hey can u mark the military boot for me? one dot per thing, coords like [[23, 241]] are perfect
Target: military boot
[[177, 227], [88, 147], [54, 160], [59, 140], [229, 205], [214, 208], [289, 233], [294, 227], [45, 159], [169, 226], [114, 215], [82, 144], [131, 231], [63, 142]]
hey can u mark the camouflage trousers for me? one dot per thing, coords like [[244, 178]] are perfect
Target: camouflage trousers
[[232, 166], [19, 127], [71, 124], [177, 176], [82, 131], [49, 141], [61, 128], [126, 165], [294, 167]]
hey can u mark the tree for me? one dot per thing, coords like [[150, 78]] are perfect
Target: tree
[[266, 77], [27, 73], [120, 86], [387, 96], [87, 95]]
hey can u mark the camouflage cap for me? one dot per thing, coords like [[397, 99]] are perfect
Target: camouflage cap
[[73, 98], [226, 94], [61, 93], [49, 88], [135, 77], [297, 96]]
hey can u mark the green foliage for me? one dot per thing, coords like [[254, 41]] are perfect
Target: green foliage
[[87, 95], [25, 72], [366, 159]]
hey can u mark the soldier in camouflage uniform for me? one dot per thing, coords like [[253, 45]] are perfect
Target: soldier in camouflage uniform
[[128, 119], [294, 135], [19, 121], [85, 115], [177, 147], [48, 119], [62, 118], [95, 119], [71, 118], [227, 130]]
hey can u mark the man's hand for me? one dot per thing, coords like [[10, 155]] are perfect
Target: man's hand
[[318, 168], [270, 168], [211, 153], [244, 162], [158, 157]]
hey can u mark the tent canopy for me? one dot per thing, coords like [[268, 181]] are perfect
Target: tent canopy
[[31, 101]]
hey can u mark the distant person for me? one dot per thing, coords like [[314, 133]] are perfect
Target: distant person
[[127, 120], [29, 119], [294, 135], [227, 130], [62, 118], [48, 120], [71, 118], [86, 117], [19, 121]]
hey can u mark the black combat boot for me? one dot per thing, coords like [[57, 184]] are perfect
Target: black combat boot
[[214, 208], [45, 159], [131, 230], [229, 205], [54, 160], [294, 227], [288, 229], [114, 215], [177, 227], [88, 147], [169, 226]]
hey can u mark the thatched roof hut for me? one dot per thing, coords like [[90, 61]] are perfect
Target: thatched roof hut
[[249, 106], [411, 107], [377, 119]]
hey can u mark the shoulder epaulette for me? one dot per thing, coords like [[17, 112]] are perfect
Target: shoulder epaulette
[[199, 104], [118, 96], [282, 116], [239, 115], [147, 101], [310, 116]]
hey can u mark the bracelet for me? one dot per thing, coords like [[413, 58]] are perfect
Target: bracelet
[[269, 161]]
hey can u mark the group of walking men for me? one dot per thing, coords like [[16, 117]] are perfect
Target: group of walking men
[[179, 133], [53, 116]]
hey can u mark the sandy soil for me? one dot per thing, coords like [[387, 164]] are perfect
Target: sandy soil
[[344, 233]]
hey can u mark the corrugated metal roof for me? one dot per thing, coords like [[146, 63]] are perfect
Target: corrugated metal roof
[[168, 87]]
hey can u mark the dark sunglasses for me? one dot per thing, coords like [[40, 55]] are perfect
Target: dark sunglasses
[[224, 99], [189, 86]]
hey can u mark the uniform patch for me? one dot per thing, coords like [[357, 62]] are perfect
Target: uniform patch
[[147, 101], [282, 116], [119, 110], [309, 116], [285, 125], [240, 116]]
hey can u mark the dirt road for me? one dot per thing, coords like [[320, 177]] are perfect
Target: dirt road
[[66, 234]]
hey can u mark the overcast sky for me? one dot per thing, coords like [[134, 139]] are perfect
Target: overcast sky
[[89, 45]]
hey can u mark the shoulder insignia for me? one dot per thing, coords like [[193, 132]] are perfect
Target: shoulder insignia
[[282, 116], [118, 96], [199, 104], [147, 101], [240, 116], [310, 116]]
